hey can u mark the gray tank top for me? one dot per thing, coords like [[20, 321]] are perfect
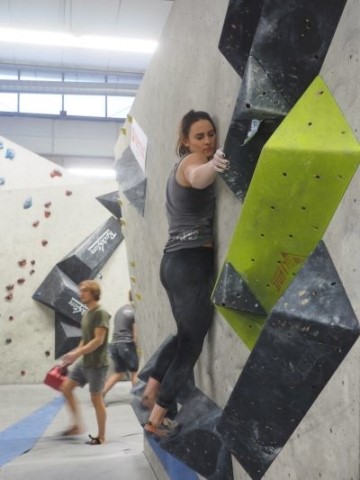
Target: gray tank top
[[190, 214]]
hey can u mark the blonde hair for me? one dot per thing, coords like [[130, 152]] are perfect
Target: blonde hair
[[93, 287]]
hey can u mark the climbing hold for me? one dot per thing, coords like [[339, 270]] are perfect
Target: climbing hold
[[22, 262], [47, 353], [27, 202], [133, 279], [47, 214], [138, 296], [32, 262], [9, 288], [68, 193], [55, 173], [11, 318], [1, 145], [9, 297], [23, 373], [2, 181], [32, 271], [47, 205], [7, 341], [44, 243], [132, 263], [35, 224], [20, 281], [10, 154]]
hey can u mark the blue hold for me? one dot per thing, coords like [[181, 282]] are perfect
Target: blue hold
[[1, 145], [27, 202], [2, 181], [10, 154]]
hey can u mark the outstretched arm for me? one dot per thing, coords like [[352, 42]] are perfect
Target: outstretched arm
[[197, 171]]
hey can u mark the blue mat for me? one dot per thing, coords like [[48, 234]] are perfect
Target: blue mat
[[174, 468], [23, 435]]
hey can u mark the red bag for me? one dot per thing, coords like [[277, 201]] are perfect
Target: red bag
[[55, 377]]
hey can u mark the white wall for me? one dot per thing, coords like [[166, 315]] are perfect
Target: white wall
[[26, 326]]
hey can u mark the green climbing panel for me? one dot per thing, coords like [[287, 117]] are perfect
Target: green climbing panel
[[301, 176]]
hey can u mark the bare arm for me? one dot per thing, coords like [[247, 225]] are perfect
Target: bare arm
[[134, 332], [99, 339], [197, 171]]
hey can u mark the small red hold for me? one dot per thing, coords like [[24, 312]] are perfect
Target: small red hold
[[9, 287], [47, 214], [68, 193], [11, 318], [44, 243], [32, 271], [36, 224], [55, 173], [47, 205], [22, 262], [9, 297], [20, 281]]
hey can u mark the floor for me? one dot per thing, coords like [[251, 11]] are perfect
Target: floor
[[54, 457]]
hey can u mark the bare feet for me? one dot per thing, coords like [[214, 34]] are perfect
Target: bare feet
[[74, 430]]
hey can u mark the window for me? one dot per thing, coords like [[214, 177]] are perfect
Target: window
[[8, 102], [40, 76], [85, 105], [119, 107], [84, 77], [40, 103], [7, 74], [58, 98]]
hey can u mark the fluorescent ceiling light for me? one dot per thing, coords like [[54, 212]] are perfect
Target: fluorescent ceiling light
[[93, 172], [67, 40]]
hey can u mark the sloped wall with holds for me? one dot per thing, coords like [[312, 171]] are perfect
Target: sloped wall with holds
[[45, 214], [188, 71]]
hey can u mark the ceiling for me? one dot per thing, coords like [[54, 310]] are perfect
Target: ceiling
[[112, 18]]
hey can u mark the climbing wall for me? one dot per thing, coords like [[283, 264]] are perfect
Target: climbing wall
[[287, 233], [48, 219]]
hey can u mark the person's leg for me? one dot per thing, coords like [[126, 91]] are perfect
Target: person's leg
[[97, 378], [119, 367], [165, 355], [75, 379], [133, 378], [112, 380], [190, 301], [100, 411]]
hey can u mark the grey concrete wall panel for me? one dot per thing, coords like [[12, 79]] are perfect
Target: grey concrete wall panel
[[306, 337], [231, 291], [111, 201], [289, 44], [67, 336], [132, 179], [88, 258], [60, 293]]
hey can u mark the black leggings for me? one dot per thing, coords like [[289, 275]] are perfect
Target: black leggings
[[187, 276]]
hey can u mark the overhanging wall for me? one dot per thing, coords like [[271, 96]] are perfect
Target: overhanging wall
[[187, 72]]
